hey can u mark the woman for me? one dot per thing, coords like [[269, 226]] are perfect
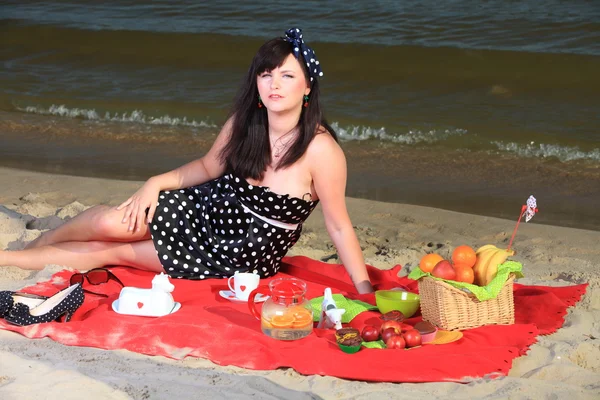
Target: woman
[[238, 208]]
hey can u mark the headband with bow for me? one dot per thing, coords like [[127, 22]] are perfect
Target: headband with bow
[[294, 36]]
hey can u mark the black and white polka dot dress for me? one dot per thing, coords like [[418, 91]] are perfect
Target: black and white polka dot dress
[[226, 225]]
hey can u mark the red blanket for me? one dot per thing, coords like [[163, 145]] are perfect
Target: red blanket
[[211, 327]]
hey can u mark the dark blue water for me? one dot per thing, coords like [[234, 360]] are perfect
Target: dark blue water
[[533, 26]]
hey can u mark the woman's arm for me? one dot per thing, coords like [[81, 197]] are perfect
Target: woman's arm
[[328, 170], [198, 171], [191, 174]]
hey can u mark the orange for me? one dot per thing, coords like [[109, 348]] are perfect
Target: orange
[[265, 323], [464, 274], [464, 256], [282, 321], [429, 261], [302, 317], [301, 325]]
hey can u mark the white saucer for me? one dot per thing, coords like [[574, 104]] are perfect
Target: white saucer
[[228, 294], [115, 307]]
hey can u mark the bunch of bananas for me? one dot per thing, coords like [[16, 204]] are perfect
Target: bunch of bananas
[[489, 257]]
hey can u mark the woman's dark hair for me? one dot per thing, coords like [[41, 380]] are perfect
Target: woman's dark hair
[[248, 151]]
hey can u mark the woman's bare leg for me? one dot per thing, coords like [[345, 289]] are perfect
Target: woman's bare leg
[[86, 255], [100, 223]]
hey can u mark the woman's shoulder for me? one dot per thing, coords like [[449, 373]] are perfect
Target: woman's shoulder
[[323, 145]]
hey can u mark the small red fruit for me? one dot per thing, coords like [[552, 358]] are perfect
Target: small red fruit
[[395, 342], [444, 270], [370, 333], [388, 333], [392, 324], [412, 338]]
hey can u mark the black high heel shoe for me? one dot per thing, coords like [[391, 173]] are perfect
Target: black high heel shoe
[[8, 299], [65, 302]]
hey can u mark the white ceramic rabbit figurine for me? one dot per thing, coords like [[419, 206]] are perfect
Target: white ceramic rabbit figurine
[[154, 302]]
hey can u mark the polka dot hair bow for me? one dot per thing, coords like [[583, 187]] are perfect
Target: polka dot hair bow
[[294, 36]]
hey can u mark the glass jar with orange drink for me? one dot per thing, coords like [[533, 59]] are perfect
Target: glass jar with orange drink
[[287, 314]]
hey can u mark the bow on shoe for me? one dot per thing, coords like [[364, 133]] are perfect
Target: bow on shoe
[[6, 303], [8, 300], [294, 36], [19, 310]]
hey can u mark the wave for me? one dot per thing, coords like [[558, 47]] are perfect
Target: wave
[[348, 133], [541, 150], [345, 133], [411, 137], [134, 116]]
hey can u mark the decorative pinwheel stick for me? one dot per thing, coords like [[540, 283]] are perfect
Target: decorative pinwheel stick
[[528, 211]]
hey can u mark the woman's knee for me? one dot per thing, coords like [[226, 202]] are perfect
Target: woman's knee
[[104, 222], [108, 224]]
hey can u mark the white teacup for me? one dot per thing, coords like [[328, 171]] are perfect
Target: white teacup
[[243, 284]]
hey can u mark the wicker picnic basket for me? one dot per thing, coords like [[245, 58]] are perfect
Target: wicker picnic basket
[[450, 308]]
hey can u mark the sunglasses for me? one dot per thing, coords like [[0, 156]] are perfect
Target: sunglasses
[[95, 276]]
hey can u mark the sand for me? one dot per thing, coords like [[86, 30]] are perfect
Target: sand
[[564, 364]]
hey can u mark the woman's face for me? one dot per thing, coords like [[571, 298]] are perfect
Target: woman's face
[[283, 88]]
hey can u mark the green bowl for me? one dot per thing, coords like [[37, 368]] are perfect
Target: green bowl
[[405, 302], [349, 349]]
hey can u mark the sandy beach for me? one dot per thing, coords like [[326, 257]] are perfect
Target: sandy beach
[[564, 364]]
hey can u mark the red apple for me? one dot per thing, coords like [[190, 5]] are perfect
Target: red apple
[[395, 342], [391, 324], [444, 270], [388, 333], [370, 333], [412, 338]]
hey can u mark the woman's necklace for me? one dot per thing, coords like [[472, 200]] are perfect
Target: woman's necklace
[[280, 145]]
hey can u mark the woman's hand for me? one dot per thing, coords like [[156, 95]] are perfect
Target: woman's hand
[[364, 287], [135, 206]]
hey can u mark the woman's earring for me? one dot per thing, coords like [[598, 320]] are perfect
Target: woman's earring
[[260, 104], [305, 100]]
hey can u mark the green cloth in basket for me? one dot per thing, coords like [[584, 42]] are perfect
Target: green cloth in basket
[[482, 293], [352, 307]]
